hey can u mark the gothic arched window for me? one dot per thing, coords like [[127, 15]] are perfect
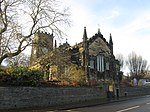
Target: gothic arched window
[[100, 63]]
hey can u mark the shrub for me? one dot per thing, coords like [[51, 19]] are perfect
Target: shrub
[[32, 77], [76, 75], [3, 71], [20, 76]]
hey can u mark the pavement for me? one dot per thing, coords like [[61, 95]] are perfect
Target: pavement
[[95, 102], [74, 105]]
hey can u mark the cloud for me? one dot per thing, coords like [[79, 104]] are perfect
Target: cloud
[[134, 37], [81, 19], [114, 13], [131, 35]]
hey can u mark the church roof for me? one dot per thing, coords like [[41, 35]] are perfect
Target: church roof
[[97, 44]]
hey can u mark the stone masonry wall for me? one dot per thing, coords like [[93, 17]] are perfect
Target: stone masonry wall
[[135, 91], [22, 97]]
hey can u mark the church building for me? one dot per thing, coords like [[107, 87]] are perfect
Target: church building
[[98, 57], [94, 54]]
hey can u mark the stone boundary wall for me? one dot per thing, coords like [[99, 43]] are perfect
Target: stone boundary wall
[[25, 97], [134, 91]]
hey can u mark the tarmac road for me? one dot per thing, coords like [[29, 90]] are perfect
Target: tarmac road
[[133, 104], [141, 104]]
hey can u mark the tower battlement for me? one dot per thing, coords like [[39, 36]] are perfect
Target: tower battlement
[[42, 33]]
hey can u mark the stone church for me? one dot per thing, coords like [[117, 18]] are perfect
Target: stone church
[[94, 54]]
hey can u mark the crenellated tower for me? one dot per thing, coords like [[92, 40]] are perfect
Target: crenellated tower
[[42, 44]]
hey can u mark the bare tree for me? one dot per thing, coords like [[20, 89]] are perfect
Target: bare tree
[[20, 19], [121, 60], [137, 66], [19, 60]]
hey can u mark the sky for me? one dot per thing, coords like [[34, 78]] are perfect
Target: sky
[[127, 20]]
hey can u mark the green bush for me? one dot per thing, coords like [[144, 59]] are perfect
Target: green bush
[[75, 76], [18, 70], [3, 71], [21, 76], [32, 77]]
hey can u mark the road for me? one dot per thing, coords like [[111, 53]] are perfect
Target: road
[[141, 104]]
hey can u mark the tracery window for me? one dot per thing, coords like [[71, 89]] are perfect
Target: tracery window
[[100, 63]]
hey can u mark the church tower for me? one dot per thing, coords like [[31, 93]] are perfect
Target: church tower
[[42, 44]]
